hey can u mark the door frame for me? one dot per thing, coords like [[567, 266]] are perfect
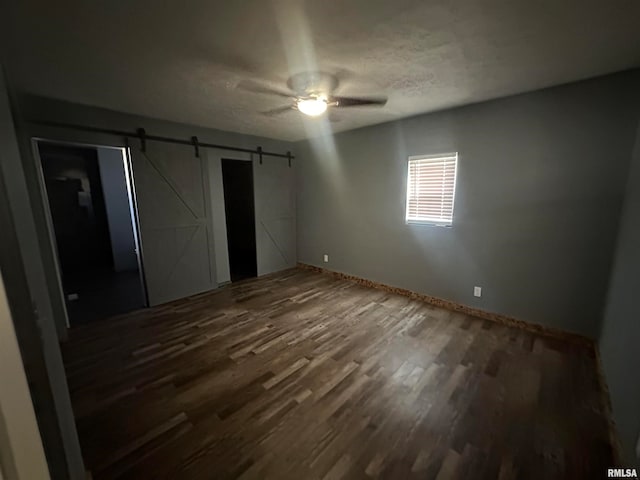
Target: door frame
[[253, 199], [133, 206], [23, 358]]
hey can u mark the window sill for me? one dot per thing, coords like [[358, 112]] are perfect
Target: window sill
[[428, 224]]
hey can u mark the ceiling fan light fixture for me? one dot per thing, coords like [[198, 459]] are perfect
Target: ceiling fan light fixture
[[312, 106]]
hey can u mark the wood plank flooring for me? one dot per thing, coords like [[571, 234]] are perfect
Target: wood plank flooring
[[302, 376]]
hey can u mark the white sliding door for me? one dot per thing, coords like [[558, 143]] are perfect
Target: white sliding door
[[174, 210]]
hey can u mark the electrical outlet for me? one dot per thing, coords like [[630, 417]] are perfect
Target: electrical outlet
[[326, 258], [477, 291]]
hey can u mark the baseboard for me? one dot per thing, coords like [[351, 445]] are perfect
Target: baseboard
[[605, 399], [456, 307]]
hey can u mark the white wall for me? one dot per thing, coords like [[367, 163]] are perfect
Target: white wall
[[21, 453], [116, 199]]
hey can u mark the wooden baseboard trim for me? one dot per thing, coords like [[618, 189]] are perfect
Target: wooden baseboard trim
[[575, 338], [456, 307]]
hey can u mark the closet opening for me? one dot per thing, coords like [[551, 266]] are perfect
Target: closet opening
[[237, 179], [92, 214]]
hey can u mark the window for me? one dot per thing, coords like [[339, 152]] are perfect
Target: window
[[431, 187]]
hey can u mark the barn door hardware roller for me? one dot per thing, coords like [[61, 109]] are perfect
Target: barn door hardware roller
[[143, 139], [196, 145]]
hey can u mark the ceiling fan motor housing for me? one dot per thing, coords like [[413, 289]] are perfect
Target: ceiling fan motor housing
[[312, 84]]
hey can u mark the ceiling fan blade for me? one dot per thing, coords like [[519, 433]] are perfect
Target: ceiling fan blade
[[255, 87], [278, 111], [342, 102]]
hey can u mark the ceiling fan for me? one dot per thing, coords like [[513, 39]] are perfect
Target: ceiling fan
[[312, 94]]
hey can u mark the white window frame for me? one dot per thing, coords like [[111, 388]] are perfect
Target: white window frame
[[431, 221]]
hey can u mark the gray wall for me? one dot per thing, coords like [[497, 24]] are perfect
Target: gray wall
[[620, 335], [116, 199], [541, 179]]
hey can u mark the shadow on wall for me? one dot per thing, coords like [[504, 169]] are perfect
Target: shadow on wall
[[620, 335]]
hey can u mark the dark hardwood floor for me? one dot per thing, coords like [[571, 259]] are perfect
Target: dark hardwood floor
[[302, 376]]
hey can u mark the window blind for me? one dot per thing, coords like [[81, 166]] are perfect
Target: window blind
[[431, 186]]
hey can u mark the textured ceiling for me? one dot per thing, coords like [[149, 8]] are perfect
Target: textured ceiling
[[182, 60]]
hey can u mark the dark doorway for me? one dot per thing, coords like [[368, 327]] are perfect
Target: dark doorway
[[237, 178], [92, 219]]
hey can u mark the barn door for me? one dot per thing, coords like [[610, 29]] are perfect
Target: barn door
[[172, 190]]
